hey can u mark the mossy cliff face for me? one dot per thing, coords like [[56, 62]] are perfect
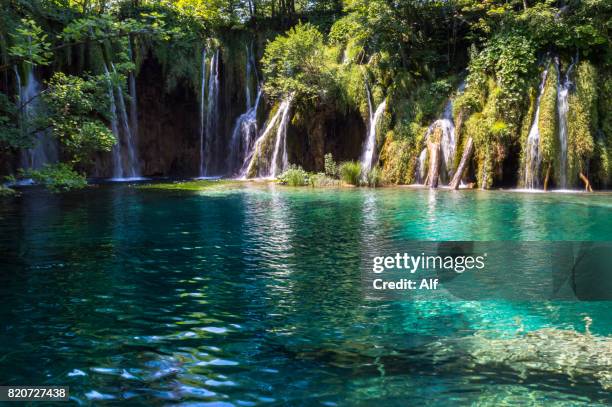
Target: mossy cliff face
[[548, 122], [582, 121]]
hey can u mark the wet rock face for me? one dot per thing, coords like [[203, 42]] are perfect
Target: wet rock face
[[168, 139], [325, 132], [168, 125]]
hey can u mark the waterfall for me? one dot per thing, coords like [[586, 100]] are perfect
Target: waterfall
[[44, 148], [369, 145], [448, 142], [133, 95], [117, 160], [533, 158], [245, 129], [125, 164], [211, 116], [563, 88], [280, 146], [132, 170], [202, 112], [280, 121]]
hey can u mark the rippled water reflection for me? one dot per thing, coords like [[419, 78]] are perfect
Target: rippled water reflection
[[252, 296]]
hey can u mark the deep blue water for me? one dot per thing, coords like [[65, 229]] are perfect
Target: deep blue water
[[252, 296]]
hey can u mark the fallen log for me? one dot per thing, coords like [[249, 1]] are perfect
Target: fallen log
[[467, 152], [434, 164], [587, 184]]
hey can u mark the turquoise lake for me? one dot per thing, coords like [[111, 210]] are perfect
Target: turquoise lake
[[251, 295]]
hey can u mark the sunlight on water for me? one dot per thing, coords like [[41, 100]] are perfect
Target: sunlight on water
[[252, 295]]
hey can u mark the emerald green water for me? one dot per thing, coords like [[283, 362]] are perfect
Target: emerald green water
[[252, 296]]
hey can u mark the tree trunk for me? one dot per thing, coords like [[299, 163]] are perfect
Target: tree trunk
[[587, 184], [547, 178], [467, 152], [434, 164]]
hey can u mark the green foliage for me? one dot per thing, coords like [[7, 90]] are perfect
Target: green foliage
[[322, 180], [56, 178], [582, 119], [510, 58], [398, 157], [297, 64], [374, 177], [76, 106], [331, 168], [605, 116], [294, 176], [6, 191], [350, 172], [10, 132], [548, 121], [30, 44]]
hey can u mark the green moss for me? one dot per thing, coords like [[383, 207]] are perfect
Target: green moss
[[548, 120], [605, 116], [491, 138], [582, 119], [196, 185], [398, 159]]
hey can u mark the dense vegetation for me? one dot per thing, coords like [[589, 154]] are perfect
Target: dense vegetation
[[326, 55]]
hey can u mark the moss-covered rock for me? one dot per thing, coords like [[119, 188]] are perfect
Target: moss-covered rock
[[582, 119]]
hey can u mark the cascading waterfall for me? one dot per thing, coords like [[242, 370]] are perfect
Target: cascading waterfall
[[124, 167], [563, 88], [133, 95], [211, 115], [280, 147], [117, 156], [369, 146], [245, 129], [448, 142], [44, 150], [280, 122], [533, 158], [202, 112]]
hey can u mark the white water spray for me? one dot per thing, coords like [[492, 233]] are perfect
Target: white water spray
[[448, 142], [245, 129], [44, 149], [563, 88], [369, 146], [533, 157], [211, 116], [125, 162], [280, 122]]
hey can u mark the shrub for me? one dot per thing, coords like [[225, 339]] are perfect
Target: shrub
[[321, 180], [374, 178], [331, 168], [57, 177], [350, 172], [294, 176]]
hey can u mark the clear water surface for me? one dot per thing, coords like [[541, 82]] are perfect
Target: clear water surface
[[251, 296]]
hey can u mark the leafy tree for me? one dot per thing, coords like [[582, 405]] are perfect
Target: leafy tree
[[297, 64], [76, 108]]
